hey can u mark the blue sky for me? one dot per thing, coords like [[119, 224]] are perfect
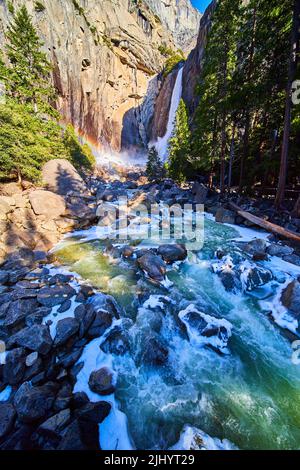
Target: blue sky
[[201, 4]]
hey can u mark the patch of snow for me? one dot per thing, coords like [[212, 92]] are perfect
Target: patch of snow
[[5, 394], [193, 438]]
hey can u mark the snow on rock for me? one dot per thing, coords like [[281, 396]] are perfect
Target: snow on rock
[[114, 434], [193, 438], [204, 329], [5, 394]]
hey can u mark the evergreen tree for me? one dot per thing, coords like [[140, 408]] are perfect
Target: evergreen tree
[[178, 165], [29, 69], [154, 169], [240, 116]]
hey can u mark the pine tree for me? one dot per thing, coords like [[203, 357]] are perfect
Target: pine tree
[[28, 80], [178, 165], [154, 169]]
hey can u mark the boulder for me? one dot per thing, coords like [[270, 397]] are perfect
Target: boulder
[[33, 403], [225, 216], [61, 177], [47, 203], [102, 381], [154, 351], [7, 418], [85, 314], [255, 246], [72, 438], [290, 298], [56, 295], [173, 252], [65, 329], [117, 342], [153, 266], [14, 367], [54, 426], [95, 412], [101, 322], [200, 193], [206, 330], [36, 338], [279, 250], [253, 276], [18, 311]]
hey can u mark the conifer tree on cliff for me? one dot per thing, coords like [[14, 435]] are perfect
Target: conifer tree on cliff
[[178, 165], [29, 69]]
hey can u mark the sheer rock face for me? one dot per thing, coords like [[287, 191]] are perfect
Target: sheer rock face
[[104, 55], [179, 17], [191, 73]]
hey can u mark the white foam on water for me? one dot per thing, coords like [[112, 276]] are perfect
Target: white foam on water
[[155, 301], [193, 438], [280, 314], [5, 394], [197, 339], [114, 434]]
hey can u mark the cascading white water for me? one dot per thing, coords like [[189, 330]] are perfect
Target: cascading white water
[[161, 144]]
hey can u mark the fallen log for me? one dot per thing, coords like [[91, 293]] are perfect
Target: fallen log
[[268, 226]]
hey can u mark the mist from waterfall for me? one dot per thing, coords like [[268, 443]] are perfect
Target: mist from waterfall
[[161, 144]]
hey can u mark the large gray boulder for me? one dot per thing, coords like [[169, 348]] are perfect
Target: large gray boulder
[[290, 298], [36, 338], [33, 403], [61, 177], [47, 203]]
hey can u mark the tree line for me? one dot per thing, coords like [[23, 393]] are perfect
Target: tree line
[[246, 131], [30, 133]]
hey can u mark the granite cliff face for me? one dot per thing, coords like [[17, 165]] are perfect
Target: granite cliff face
[[180, 18], [105, 58], [191, 73]]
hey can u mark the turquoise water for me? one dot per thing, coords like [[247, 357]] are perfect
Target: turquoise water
[[251, 397]]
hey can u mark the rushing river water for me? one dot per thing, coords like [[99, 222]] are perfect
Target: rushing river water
[[250, 397]]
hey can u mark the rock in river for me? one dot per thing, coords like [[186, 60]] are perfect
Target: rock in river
[[172, 252], [204, 329], [153, 266], [290, 298], [102, 381]]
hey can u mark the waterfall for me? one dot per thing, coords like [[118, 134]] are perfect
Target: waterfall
[[161, 144]]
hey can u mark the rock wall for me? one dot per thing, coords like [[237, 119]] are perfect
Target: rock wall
[[191, 73], [104, 56], [181, 18]]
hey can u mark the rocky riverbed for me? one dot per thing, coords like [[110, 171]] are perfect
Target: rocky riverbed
[[145, 345]]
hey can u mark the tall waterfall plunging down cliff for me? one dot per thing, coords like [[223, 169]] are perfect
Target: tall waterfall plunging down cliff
[[161, 144]]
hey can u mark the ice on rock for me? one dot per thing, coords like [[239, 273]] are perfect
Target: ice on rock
[[5, 394], [204, 329], [193, 438]]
